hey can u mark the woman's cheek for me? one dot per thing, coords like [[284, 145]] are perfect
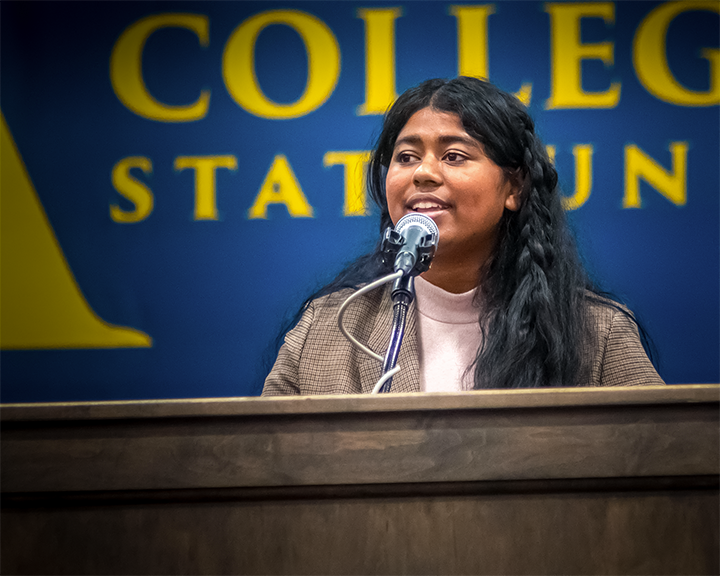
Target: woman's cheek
[[394, 199]]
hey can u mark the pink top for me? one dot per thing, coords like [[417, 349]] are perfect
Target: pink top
[[449, 336]]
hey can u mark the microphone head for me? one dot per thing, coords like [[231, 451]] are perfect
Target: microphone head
[[417, 219], [416, 237]]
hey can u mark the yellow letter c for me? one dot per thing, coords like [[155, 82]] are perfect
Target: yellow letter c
[[126, 68]]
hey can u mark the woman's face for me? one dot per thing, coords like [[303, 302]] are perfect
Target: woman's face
[[439, 170]]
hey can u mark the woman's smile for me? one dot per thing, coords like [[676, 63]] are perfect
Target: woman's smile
[[427, 204]]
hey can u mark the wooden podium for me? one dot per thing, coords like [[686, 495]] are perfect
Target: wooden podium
[[570, 481]]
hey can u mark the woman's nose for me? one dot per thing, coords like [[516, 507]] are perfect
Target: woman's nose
[[427, 172]]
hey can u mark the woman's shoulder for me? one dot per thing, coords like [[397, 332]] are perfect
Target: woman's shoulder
[[604, 307], [619, 355]]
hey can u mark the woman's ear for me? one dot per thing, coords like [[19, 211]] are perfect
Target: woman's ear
[[512, 200], [515, 185]]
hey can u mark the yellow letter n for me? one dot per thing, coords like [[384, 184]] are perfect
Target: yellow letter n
[[281, 187], [671, 184]]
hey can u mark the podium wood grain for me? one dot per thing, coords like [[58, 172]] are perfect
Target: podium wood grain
[[582, 481]]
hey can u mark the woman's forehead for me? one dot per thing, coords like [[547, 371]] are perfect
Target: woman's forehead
[[445, 127]]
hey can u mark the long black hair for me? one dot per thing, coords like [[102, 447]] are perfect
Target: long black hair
[[533, 289]]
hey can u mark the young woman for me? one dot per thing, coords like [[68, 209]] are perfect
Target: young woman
[[505, 303]]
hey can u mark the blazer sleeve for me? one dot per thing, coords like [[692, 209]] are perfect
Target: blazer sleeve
[[624, 361], [284, 378]]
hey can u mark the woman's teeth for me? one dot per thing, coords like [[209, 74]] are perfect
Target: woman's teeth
[[426, 206]]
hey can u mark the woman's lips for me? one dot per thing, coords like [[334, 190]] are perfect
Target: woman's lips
[[427, 205], [430, 209]]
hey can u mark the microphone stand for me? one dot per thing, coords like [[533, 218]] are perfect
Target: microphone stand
[[403, 293]]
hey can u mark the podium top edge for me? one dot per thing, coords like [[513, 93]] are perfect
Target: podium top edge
[[362, 403]]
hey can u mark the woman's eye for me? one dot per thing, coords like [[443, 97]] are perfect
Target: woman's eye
[[404, 157], [454, 157]]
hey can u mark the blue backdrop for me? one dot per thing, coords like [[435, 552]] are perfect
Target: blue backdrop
[[156, 225]]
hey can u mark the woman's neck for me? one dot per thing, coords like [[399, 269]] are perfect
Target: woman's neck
[[456, 277]]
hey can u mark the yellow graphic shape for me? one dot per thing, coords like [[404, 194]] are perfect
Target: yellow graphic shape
[[41, 305]]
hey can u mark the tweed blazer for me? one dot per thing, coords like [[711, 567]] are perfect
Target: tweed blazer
[[316, 358]]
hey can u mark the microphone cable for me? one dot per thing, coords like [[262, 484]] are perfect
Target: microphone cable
[[341, 312]]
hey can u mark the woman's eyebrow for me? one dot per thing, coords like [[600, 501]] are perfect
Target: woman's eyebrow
[[413, 139], [409, 139], [456, 138]]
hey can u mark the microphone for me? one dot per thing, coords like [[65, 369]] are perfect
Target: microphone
[[412, 244], [415, 240]]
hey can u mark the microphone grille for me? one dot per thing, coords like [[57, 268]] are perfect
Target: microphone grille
[[416, 219]]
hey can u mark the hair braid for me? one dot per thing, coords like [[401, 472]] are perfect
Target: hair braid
[[530, 305]]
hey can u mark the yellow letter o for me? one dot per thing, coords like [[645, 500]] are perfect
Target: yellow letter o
[[323, 64]]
